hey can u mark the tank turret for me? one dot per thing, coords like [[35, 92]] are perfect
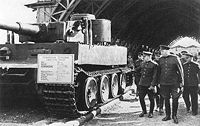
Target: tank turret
[[81, 28], [68, 31]]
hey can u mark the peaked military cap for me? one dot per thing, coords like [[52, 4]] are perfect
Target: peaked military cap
[[188, 54], [164, 47], [147, 53], [184, 51]]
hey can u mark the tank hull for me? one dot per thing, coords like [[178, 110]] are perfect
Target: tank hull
[[25, 55], [63, 99]]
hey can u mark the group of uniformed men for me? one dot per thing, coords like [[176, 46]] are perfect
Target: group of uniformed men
[[171, 78]]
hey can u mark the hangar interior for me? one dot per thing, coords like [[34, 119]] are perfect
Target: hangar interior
[[136, 24]]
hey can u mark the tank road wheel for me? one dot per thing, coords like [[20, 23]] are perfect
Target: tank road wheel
[[90, 94], [104, 89], [122, 83], [114, 86]]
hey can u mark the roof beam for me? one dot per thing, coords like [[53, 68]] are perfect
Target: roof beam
[[102, 7], [65, 15]]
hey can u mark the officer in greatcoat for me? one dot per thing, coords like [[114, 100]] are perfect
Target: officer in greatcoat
[[191, 81], [158, 96], [137, 73], [137, 65], [170, 80], [147, 82]]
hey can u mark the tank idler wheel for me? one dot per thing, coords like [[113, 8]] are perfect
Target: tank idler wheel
[[122, 83], [90, 93], [104, 89], [114, 86]]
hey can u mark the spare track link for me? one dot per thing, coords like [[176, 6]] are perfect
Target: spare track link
[[59, 100]]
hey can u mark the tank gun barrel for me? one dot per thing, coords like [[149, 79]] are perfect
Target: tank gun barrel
[[23, 29]]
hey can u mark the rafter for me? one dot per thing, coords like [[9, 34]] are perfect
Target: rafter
[[65, 15], [48, 14], [102, 7]]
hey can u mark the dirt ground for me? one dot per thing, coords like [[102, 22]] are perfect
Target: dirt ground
[[21, 111], [28, 112], [125, 113]]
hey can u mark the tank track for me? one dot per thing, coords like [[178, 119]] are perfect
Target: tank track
[[60, 100]]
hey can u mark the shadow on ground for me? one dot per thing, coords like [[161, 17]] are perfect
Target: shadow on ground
[[20, 107]]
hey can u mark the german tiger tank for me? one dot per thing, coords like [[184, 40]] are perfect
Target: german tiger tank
[[71, 64]]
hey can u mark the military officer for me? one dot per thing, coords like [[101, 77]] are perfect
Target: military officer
[[137, 73], [170, 80], [183, 60], [158, 96], [130, 65], [130, 62], [191, 81], [137, 64], [147, 82]]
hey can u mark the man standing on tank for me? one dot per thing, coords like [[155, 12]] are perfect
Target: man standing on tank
[[191, 81], [170, 73], [147, 83]]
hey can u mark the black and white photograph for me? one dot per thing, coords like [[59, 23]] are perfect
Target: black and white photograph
[[99, 62]]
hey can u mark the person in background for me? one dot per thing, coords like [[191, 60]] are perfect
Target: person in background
[[198, 57], [130, 75], [137, 73], [191, 83], [195, 58], [158, 96], [183, 60], [171, 81], [130, 62], [147, 82]]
